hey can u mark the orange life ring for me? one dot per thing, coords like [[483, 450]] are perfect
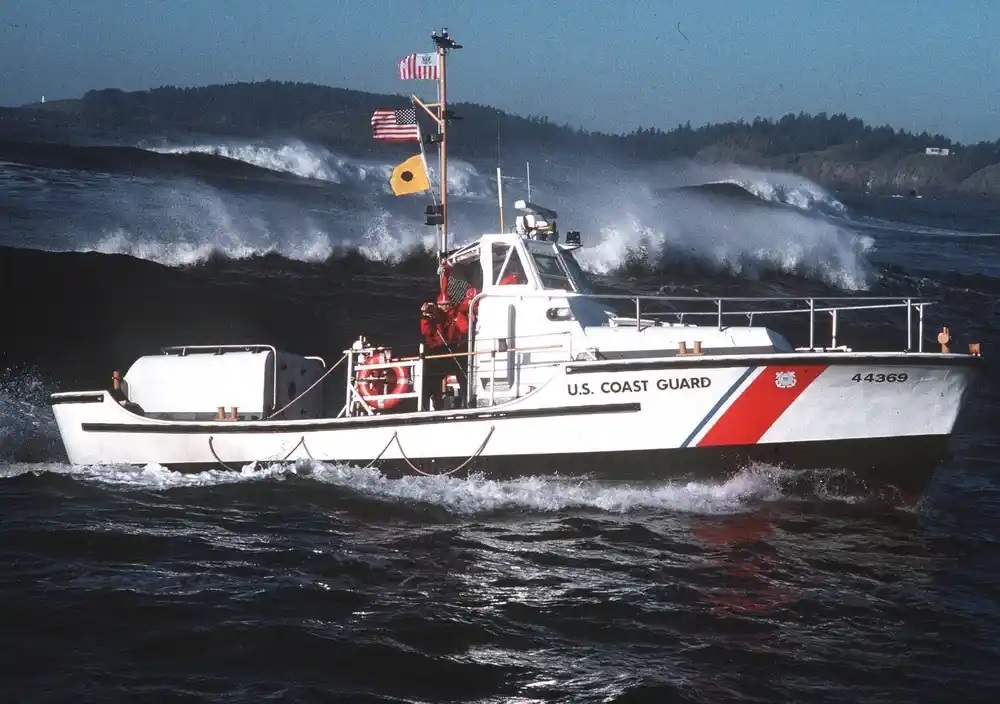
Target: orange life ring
[[377, 382]]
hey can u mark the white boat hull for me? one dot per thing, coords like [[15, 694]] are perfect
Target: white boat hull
[[660, 417]]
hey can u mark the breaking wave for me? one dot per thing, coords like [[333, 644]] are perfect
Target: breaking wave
[[637, 221], [476, 494], [797, 192], [315, 247], [27, 426], [820, 251], [313, 161], [295, 158], [655, 216]]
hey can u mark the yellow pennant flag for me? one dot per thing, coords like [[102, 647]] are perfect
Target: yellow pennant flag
[[409, 177]]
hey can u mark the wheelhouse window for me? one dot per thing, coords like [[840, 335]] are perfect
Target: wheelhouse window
[[580, 277], [506, 267], [551, 270]]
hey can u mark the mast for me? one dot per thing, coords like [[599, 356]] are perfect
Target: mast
[[439, 113], [440, 42]]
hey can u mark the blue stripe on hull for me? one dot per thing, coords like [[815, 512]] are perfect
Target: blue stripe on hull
[[718, 405]]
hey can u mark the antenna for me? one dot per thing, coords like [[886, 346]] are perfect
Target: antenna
[[527, 166], [499, 176], [500, 196]]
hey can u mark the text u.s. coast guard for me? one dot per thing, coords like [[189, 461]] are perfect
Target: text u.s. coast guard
[[639, 385]]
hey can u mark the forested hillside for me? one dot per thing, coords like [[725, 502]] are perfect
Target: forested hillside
[[838, 151]]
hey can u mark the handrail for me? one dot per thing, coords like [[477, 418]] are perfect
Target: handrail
[[569, 295], [782, 312], [414, 363], [877, 303], [827, 304], [812, 306], [483, 353], [233, 347]]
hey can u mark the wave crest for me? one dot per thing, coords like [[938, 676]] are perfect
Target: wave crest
[[637, 225], [295, 158], [652, 214], [783, 189], [315, 247], [312, 161]]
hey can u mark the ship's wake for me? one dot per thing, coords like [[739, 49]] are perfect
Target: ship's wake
[[745, 490]]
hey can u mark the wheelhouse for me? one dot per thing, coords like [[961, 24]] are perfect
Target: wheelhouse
[[530, 258]]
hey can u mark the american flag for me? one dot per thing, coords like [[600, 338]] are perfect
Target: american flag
[[396, 125], [419, 66]]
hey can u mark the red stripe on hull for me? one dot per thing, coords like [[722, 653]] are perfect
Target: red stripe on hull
[[761, 404]]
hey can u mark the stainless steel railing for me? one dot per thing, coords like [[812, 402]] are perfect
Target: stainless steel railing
[[827, 304], [719, 308]]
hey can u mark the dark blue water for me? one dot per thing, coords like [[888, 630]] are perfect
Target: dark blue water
[[316, 582]]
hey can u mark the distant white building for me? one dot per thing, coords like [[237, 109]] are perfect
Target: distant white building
[[937, 151]]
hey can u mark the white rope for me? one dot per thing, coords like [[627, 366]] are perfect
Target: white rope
[[294, 400]]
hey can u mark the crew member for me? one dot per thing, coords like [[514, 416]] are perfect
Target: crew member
[[434, 321], [458, 337], [515, 273], [458, 328], [444, 327]]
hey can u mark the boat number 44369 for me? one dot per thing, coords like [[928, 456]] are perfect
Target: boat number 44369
[[892, 377]]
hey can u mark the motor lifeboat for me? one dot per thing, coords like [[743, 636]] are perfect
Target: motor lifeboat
[[537, 373]]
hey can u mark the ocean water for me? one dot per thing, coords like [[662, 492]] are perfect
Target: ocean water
[[322, 582]]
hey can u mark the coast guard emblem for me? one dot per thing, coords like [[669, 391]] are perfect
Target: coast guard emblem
[[784, 380]]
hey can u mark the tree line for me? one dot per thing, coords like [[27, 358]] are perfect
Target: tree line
[[339, 117]]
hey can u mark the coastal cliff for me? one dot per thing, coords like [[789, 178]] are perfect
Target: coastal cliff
[[890, 173]]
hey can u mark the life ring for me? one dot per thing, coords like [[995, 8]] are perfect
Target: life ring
[[377, 382]]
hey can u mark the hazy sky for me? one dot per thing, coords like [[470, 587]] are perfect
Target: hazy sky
[[614, 65]]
